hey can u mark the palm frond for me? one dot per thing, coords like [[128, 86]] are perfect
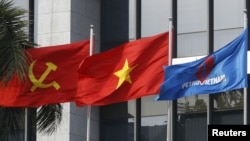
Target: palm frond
[[48, 118], [11, 122], [14, 39]]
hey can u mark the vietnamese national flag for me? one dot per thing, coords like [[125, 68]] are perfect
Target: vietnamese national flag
[[128, 71], [52, 76]]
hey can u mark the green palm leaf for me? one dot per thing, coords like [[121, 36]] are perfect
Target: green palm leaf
[[11, 122], [14, 40], [48, 118]]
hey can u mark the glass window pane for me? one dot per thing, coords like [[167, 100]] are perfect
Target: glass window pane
[[191, 127], [234, 117], [191, 104], [154, 128], [154, 119], [117, 121], [192, 114], [229, 100]]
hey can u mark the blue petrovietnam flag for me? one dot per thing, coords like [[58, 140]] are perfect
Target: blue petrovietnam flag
[[223, 70]]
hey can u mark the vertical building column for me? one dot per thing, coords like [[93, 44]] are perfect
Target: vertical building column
[[61, 22]]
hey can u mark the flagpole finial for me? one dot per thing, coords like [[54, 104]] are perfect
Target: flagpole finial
[[170, 18], [245, 17], [245, 10], [91, 26]]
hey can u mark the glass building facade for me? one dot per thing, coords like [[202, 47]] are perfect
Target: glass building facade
[[192, 114]]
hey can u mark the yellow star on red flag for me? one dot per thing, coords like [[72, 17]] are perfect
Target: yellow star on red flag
[[124, 74]]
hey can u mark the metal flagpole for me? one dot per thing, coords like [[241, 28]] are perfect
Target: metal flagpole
[[169, 122], [89, 106], [91, 40], [170, 53], [245, 89], [26, 124]]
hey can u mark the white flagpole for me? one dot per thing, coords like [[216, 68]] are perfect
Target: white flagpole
[[170, 102], [91, 40], [169, 122], [89, 106], [245, 18], [245, 89]]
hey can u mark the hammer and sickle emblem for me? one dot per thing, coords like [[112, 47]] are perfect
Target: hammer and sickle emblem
[[38, 83]]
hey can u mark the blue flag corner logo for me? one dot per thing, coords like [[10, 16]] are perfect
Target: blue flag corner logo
[[205, 69]]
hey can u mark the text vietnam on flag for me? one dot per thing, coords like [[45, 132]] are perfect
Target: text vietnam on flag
[[223, 70], [52, 76], [128, 71]]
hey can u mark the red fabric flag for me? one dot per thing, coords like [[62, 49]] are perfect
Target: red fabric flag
[[131, 70], [52, 76]]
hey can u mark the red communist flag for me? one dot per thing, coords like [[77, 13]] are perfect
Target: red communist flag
[[126, 72], [52, 76]]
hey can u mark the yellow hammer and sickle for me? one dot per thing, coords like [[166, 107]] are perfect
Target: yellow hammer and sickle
[[39, 83]]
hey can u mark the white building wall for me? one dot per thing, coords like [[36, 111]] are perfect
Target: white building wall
[[61, 22]]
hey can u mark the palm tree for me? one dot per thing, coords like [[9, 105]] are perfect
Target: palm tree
[[14, 40]]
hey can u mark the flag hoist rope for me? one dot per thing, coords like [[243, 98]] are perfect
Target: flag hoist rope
[[91, 45]]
